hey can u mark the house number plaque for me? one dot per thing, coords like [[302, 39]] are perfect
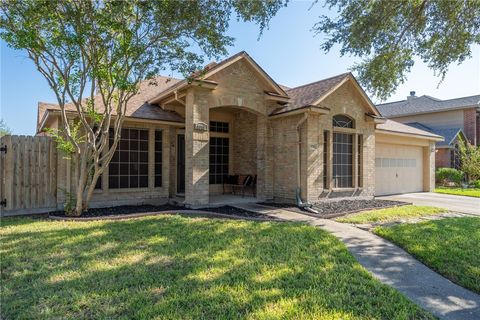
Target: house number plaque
[[200, 126]]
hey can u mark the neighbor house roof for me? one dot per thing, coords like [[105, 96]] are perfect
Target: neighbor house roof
[[449, 134], [400, 128], [310, 95], [425, 104], [137, 106]]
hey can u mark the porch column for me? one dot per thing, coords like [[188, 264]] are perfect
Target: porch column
[[197, 147], [264, 159], [429, 167], [313, 162]]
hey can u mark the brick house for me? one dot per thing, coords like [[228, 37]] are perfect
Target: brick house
[[451, 119], [326, 139]]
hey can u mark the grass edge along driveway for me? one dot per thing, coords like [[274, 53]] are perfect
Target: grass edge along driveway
[[470, 192], [178, 267], [449, 246], [390, 214]]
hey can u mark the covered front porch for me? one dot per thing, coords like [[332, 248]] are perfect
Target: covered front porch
[[230, 143], [227, 128]]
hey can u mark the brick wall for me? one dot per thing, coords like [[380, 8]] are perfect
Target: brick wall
[[478, 129], [470, 125], [245, 143], [442, 158]]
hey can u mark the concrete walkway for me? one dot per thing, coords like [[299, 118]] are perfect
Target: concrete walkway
[[393, 266], [451, 202]]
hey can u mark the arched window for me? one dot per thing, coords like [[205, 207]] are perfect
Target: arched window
[[343, 121]]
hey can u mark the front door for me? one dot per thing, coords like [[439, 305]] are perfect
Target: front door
[[181, 163]]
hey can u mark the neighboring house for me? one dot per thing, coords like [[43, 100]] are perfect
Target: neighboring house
[[451, 119], [326, 138]]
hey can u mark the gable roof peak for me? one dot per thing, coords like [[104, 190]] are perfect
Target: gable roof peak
[[341, 75]]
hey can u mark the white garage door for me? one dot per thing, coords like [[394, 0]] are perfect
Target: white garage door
[[398, 169]]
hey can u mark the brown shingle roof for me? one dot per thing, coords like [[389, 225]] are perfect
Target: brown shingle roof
[[137, 107], [394, 126], [307, 94]]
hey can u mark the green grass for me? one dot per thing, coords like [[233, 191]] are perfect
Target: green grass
[[449, 246], [390, 214], [173, 267], [471, 192]]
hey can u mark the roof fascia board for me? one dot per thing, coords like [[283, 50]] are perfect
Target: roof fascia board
[[255, 66], [359, 89], [206, 84], [71, 115], [310, 109]]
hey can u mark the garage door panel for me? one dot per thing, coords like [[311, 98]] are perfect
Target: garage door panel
[[398, 169]]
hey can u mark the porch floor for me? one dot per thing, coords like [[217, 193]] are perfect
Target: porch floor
[[229, 199]]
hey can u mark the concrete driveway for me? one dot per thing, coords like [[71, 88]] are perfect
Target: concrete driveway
[[454, 203]]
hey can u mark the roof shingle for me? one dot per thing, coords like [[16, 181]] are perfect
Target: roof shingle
[[307, 94], [425, 104], [137, 107], [449, 134], [394, 126]]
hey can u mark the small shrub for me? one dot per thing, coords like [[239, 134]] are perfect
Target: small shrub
[[70, 203], [476, 184], [447, 176]]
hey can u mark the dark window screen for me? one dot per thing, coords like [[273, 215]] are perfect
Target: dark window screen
[[325, 159], [129, 165], [217, 126], [360, 161], [342, 160], [219, 156], [158, 158]]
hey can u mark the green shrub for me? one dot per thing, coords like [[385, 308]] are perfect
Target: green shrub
[[446, 176], [476, 184]]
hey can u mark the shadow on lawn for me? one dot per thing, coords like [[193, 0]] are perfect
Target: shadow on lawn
[[176, 267]]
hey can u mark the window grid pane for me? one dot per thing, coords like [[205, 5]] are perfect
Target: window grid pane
[[158, 158], [129, 165], [359, 161], [342, 160], [217, 126], [219, 159], [325, 159], [343, 121]]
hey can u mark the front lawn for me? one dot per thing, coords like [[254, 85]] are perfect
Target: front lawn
[[173, 267], [470, 192], [449, 246], [390, 214]]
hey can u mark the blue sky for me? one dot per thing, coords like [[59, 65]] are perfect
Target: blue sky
[[288, 51]]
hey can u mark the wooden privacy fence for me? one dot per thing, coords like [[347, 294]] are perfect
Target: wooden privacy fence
[[28, 168]]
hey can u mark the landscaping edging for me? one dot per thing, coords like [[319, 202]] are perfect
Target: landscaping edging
[[172, 212], [340, 214]]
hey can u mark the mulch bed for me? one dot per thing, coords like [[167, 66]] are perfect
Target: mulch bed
[[337, 208], [122, 212]]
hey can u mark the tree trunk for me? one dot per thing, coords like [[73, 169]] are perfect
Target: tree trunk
[[81, 183]]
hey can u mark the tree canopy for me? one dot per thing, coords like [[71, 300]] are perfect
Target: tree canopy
[[387, 35], [4, 129], [92, 48]]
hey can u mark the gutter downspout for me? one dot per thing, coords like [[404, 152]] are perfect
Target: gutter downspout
[[304, 205]]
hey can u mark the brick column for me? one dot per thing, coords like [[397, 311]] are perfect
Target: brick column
[[196, 148], [429, 167], [469, 125], [264, 159], [313, 174]]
